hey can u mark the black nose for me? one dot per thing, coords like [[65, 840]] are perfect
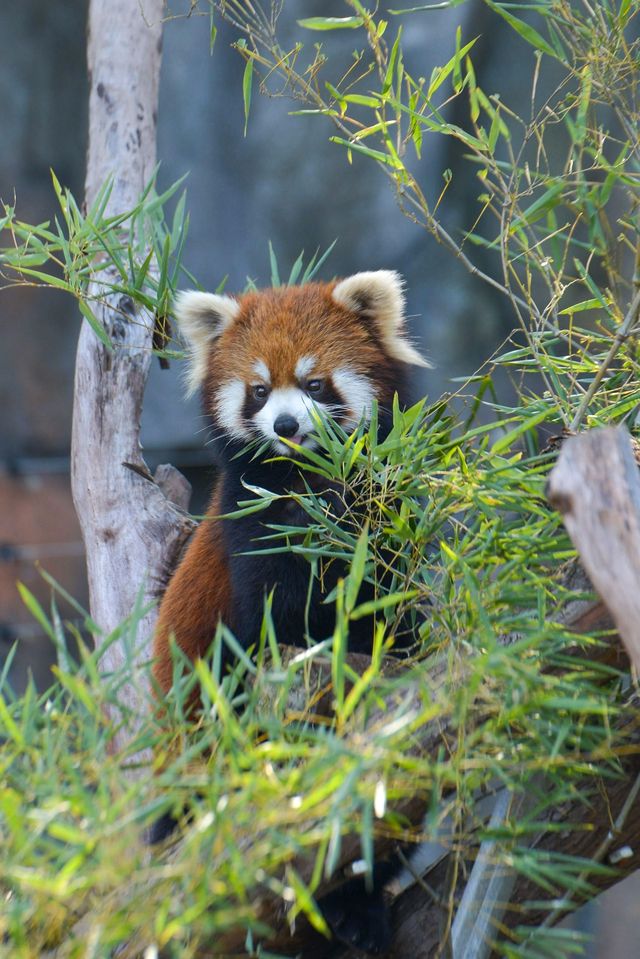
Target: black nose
[[286, 425]]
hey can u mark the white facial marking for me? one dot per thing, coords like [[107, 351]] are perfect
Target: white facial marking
[[229, 402], [262, 370], [357, 391], [304, 366], [288, 401]]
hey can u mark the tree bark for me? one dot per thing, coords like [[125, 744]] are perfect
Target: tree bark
[[129, 527], [596, 486]]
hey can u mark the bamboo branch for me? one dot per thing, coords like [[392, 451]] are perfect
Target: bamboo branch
[[596, 486], [623, 332]]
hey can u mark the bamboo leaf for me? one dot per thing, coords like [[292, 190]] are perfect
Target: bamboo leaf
[[275, 274], [526, 31], [357, 571], [295, 270], [36, 610], [377, 155], [391, 65], [331, 23], [97, 328], [247, 81], [591, 304], [361, 100], [440, 74], [507, 441]]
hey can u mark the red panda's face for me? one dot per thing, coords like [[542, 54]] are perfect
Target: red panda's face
[[268, 359], [272, 404]]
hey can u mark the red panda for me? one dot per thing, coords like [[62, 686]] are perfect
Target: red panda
[[263, 361]]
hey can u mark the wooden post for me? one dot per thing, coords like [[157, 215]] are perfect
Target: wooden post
[[596, 487], [129, 527]]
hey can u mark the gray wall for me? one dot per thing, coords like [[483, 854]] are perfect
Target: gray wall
[[284, 182], [43, 95]]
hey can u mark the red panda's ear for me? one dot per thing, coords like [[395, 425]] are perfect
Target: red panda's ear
[[202, 317], [378, 297]]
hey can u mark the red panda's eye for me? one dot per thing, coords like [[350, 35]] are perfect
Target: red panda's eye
[[260, 391], [315, 386]]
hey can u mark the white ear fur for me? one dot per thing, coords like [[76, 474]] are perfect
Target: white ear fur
[[202, 317], [378, 296]]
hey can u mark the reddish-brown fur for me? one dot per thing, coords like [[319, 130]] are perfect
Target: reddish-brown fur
[[281, 325], [197, 597]]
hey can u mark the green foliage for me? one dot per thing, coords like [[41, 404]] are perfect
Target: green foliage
[[447, 520], [458, 527], [559, 189], [95, 255], [299, 273]]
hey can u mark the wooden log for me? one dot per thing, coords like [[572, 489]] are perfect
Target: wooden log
[[596, 487]]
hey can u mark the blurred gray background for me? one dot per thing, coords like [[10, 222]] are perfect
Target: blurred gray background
[[283, 182]]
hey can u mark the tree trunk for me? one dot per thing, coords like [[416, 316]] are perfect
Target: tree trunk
[[129, 526]]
